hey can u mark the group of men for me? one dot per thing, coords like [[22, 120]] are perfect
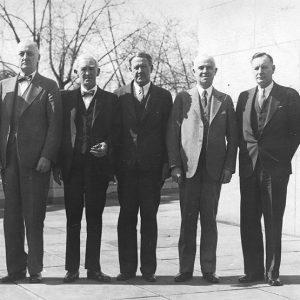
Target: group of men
[[137, 134]]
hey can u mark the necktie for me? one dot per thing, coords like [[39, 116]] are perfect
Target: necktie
[[204, 98], [261, 98], [140, 94], [87, 93], [24, 78]]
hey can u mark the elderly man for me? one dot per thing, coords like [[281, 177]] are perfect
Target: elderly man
[[89, 125], [142, 166], [29, 139], [268, 120], [202, 146]]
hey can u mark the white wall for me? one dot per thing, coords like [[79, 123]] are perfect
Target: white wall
[[233, 31]]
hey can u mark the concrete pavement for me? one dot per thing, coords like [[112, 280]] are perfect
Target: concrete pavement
[[229, 263]]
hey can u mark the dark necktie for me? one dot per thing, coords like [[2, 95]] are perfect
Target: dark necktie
[[204, 98], [87, 93], [24, 78]]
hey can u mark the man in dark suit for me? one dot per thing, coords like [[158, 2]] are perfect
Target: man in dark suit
[[30, 131], [202, 146], [268, 121], [89, 118], [142, 166]]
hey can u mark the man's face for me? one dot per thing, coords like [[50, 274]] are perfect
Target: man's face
[[87, 72], [204, 71], [140, 70], [28, 57], [263, 70]]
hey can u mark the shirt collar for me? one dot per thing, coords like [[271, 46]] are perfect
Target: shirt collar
[[267, 89], [145, 87], [83, 89], [208, 90]]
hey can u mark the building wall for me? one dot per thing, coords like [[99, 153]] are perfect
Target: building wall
[[232, 31]]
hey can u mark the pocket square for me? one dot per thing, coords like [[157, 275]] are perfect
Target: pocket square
[[223, 112]]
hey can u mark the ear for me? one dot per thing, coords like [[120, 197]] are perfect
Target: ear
[[75, 71], [216, 69], [273, 68], [98, 71]]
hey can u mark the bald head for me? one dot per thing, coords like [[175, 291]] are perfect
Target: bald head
[[28, 54], [87, 69], [204, 70]]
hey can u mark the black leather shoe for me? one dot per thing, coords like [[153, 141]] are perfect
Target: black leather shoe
[[149, 277], [251, 278], [181, 277], [36, 278], [125, 276], [98, 275], [13, 277], [71, 277], [275, 282], [211, 277]]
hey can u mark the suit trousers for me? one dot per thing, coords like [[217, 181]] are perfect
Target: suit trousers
[[26, 192], [262, 194], [87, 188], [199, 194], [138, 190]]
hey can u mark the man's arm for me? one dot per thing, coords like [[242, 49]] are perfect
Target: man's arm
[[53, 137], [232, 142]]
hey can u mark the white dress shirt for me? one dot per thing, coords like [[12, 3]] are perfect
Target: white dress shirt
[[87, 99], [24, 84], [137, 88]]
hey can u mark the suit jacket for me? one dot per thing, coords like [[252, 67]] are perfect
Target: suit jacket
[[104, 129], [185, 134], [143, 141], [280, 136], [39, 129]]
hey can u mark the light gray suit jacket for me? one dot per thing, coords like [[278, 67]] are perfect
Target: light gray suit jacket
[[185, 134]]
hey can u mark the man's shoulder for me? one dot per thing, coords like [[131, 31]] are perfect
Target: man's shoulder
[[7, 80], [122, 90], [221, 95], [45, 82], [105, 94], [286, 90]]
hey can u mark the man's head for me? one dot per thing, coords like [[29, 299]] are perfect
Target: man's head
[[87, 69], [204, 70], [263, 68], [28, 54], [140, 66]]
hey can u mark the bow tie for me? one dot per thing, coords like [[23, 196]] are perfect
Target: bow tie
[[24, 78], [87, 93]]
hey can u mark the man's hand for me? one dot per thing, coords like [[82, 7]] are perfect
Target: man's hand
[[226, 176], [176, 174], [57, 175], [99, 150], [43, 165]]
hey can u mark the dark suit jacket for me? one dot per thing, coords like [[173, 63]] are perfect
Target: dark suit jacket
[[144, 141], [185, 134], [279, 140], [104, 129], [39, 130]]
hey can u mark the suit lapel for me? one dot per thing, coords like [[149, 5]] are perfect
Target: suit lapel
[[33, 90], [73, 111], [151, 96], [247, 112], [98, 105], [130, 100], [216, 102], [274, 103], [195, 100]]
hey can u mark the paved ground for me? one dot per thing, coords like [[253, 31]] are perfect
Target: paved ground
[[229, 264]]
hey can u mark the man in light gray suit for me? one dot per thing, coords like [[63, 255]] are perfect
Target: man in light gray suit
[[30, 130], [202, 146]]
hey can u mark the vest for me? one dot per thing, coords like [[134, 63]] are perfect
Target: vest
[[83, 123], [259, 115]]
